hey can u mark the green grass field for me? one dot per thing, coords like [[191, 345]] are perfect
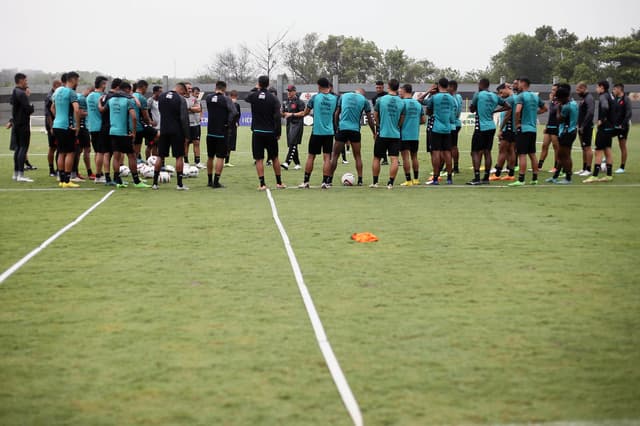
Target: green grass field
[[488, 305]]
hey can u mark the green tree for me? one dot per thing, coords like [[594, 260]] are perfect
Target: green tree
[[352, 59], [300, 58]]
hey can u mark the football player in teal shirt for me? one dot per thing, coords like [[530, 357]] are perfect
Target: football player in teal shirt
[[506, 136], [144, 129], [84, 139], [410, 135], [350, 108], [323, 104], [484, 105], [567, 132], [66, 127], [94, 124], [389, 113], [455, 153], [442, 106], [528, 106]]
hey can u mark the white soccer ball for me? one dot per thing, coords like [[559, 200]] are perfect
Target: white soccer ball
[[125, 171], [169, 168], [192, 171], [348, 179], [164, 177], [152, 160], [147, 171], [141, 166]]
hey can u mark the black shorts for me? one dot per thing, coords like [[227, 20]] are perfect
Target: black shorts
[[66, 139], [508, 136], [440, 141], [147, 133], [603, 139], [84, 139], [217, 147], [194, 133], [348, 136], [622, 132], [429, 137], [173, 141], [482, 140], [454, 137], [51, 137], [586, 137], [526, 143], [551, 131], [320, 144], [382, 146], [123, 144], [261, 141], [412, 146], [567, 139]]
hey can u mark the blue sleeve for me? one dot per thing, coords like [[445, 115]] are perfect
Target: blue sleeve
[[73, 97], [367, 106], [517, 100], [310, 103], [376, 107], [429, 102], [501, 101], [131, 104]]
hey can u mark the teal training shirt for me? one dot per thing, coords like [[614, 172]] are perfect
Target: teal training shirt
[[569, 114], [323, 106], [64, 108], [351, 107], [443, 106], [485, 103], [529, 118], [143, 106], [458, 99], [94, 118], [390, 108], [411, 125], [119, 107], [82, 104]]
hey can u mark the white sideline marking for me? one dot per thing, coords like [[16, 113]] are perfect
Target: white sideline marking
[[19, 264], [44, 189], [325, 347]]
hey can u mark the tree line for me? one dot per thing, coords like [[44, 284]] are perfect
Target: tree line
[[543, 56]]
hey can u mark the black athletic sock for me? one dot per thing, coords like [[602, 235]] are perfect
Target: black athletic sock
[[568, 176], [416, 175], [197, 159], [486, 175], [609, 169], [584, 166], [556, 165], [179, 178], [476, 175], [261, 179], [622, 166], [521, 177], [512, 172], [307, 177], [51, 169], [279, 179], [498, 170], [407, 176], [216, 179], [375, 180], [535, 176], [156, 175], [107, 177], [596, 170], [455, 167], [136, 178], [330, 180], [209, 178], [325, 179], [540, 163], [61, 176], [27, 163], [588, 168], [450, 176], [556, 174], [116, 177], [186, 159], [390, 182], [89, 171], [226, 160], [359, 180]]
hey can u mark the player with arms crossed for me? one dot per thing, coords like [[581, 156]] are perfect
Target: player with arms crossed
[[389, 112]]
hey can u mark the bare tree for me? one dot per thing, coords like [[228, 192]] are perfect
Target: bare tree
[[265, 53], [230, 65]]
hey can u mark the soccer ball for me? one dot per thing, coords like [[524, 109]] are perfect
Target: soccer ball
[[164, 177], [169, 168], [348, 179], [191, 171], [146, 171], [152, 160], [124, 171]]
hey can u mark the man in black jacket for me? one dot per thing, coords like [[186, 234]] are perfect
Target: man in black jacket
[[21, 111], [586, 110], [266, 129], [622, 122]]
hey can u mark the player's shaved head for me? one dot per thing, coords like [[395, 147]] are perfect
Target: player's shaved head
[[484, 83]]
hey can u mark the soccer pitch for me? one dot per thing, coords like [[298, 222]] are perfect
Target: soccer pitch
[[479, 305]]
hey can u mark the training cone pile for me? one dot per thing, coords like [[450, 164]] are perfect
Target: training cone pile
[[364, 237]]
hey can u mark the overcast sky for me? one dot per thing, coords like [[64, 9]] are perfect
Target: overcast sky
[[137, 39]]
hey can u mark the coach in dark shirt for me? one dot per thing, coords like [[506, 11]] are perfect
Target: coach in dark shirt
[[266, 128], [380, 92], [21, 110]]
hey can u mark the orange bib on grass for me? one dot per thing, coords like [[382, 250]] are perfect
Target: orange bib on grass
[[364, 237]]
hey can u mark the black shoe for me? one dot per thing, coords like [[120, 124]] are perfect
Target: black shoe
[[30, 167], [384, 163], [284, 166], [485, 182], [210, 184], [268, 163], [474, 182], [456, 171], [217, 185]]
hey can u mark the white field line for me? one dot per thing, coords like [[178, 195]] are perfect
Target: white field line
[[325, 347], [44, 189], [6, 274]]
